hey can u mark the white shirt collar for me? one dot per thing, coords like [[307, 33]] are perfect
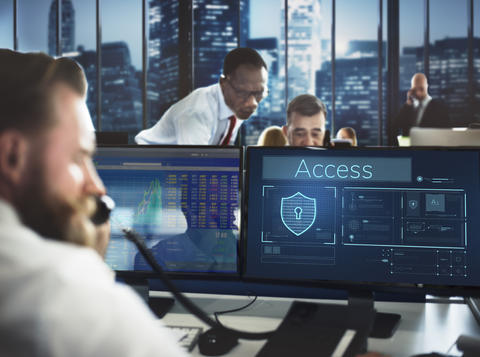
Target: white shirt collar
[[8, 213], [224, 110], [425, 102]]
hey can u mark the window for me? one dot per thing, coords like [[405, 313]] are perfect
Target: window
[[6, 24], [411, 43], [356, 74], [83, 46], [121, 66], [448, 77], [34, 26], [163, 57], [476, 61], [264, 36], [215, 34], [187, 41]]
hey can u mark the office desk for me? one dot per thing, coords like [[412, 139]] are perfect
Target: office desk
[[424, 327]]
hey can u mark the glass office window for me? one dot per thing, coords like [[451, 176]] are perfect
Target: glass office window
[[81, 14], [448, 79], [476, 59], [356, 75], [411, 43], [384, 70], [121, 66], [264, 36], [163, 57], [305, 19], [34, 28], [215, 34], [6, 24]]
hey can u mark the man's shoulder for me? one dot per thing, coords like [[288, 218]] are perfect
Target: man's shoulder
[[437, 103], [201, 102]]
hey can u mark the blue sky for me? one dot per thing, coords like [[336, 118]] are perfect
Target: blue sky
[[121, 20]]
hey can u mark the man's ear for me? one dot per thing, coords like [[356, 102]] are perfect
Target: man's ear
[[285, 130], [13, 155]]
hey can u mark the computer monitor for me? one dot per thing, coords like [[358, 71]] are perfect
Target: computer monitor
[[378, 219], [444, 137], [185, 202]]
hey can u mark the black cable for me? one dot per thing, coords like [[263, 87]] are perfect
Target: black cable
[[133, 236], [216, 313]]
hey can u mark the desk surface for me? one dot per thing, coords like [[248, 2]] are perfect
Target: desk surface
[[424, 327]]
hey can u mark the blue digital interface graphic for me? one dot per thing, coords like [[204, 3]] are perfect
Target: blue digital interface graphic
[[365, 215], [298, 213], [184, 201]]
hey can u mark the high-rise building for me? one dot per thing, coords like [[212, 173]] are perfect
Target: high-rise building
[[304, 45], [271, 110], [67, 28], [163, 57], [356, 91], [448, 78], [216, 33], [121, 94]]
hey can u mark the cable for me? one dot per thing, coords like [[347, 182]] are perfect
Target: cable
[[134, 237], [216, 313]]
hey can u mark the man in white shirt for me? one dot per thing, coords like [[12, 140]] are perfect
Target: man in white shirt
[[213, 115], [57, 296]]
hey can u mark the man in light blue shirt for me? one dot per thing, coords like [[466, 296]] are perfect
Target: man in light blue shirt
[[213, 115]]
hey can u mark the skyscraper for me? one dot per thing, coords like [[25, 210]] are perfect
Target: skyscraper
[[163, 57], [67, 28], [271, 110], [304, 45], [449, 76], [215, 34], [121, 94], [356, 90]]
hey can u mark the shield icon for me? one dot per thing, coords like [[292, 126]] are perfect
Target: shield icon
[[298, 212]]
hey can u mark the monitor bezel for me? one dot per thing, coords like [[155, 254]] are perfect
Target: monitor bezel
[[186, 275], [351, 286]]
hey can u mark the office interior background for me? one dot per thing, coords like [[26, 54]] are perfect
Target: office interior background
[[141, 56]]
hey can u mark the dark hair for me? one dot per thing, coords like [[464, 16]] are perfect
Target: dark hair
[[26, 80], [239, 56], [305, 104]]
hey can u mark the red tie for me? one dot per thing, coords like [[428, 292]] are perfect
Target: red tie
[[226, 139]]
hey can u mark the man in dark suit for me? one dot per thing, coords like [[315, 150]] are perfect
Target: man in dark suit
[[420, 109]]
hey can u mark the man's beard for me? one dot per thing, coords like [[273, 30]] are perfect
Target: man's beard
[[52, 216]]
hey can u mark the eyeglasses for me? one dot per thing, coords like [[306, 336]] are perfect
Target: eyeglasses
[[244, 94]]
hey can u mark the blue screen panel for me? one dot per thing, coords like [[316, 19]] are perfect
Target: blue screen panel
[[185, 201], [364, 215]]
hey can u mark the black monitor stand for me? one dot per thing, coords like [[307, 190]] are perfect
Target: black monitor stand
[[385, 324], [474, 305], [159, 305]]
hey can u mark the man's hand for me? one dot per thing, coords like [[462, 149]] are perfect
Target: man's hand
[[410, 96]]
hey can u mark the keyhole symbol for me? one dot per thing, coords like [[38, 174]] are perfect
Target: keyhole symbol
[[298, 212]]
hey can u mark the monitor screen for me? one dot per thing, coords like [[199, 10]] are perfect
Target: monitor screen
[[185, 202], [378, 217]]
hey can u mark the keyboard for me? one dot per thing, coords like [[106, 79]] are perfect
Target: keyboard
[[187, 336]]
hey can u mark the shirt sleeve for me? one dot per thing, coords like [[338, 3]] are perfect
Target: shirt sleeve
[[93, 317]]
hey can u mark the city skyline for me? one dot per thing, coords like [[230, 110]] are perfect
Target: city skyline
[[216, 32], [128, 14]]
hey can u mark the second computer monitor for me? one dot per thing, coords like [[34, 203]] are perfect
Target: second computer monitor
[[185, 202]]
